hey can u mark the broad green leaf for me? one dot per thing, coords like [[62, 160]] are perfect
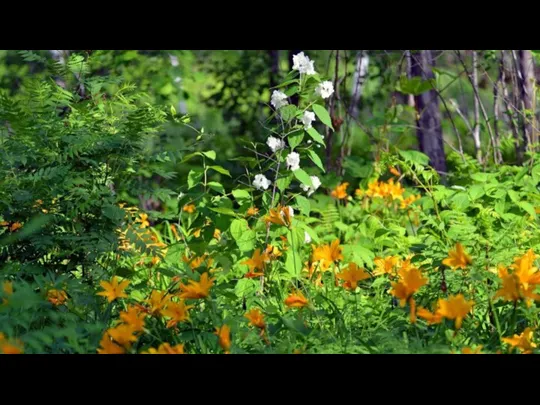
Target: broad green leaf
[[295, 138], [316, 159], [194, 176], [323, 115], [220, 169], [415, 157], [284, 182], [242, 196], [303, 177], [303, 204], [414, 86], [524, 205], [316, 136], [214, 185], [210, 154]]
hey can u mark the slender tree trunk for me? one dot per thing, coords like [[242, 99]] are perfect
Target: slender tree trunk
[[359, 78], [274, 68], [476, 128], [526, 67], [510, 111], [429, 132], [496, 110]]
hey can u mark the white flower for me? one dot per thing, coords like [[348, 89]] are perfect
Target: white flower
[[177, 79], [293, 161], [291, 211], [307, 238], [303, 64], [275, 143], [316, 183], [308, 118], [174, 60], [279, 99], [325, 89], [261, 182]]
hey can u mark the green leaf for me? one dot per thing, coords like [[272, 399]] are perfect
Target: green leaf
[[295, 138], [303, 177], [535, 173], [476, 192], [513, 196], [242, 196], [323, 115], [194, 176], [220, 169], [414, 156], [303, 204], [224, 211], [316, 136], [214, 185], [284, 182], [288, 112], [414, 86], [316, 159], [243, 235], [524, 205], [210, 154]]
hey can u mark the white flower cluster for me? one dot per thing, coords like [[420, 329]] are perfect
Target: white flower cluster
[[316, 183], [303, 64], [261, 182], [293, 161], [279, 99], [275, 144], [325, 89], [308, 118]]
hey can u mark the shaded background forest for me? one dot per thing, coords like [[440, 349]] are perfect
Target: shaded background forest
[[460, 107]]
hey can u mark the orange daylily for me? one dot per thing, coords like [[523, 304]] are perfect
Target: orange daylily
[[525, 270], [352, 275], [224, 337], [157, 301], [340, 192], [281, 215], [133, 317], [257, 261], [455, 307], [178, 312], [256, 318], [57, 297], [468, 350], [113, 290], [385, 265], [197, 289], [15, 226], [107, 346], [190, 208], [296, 300], [457, 258], [166, 348], [123, 335], [252, 211], [143, 219], [327, 254], [523, 341]]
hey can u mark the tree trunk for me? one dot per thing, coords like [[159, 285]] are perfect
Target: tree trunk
[[526, 67], [429, 132]]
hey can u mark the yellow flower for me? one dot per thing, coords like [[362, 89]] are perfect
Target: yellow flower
[[143, 219], [327, 254], [15, 226], [431, 318], [224, 337], [217, 234], [175, 231], [197, 289], [296, 300], [385, 265], [256, 318], [525, 270], [468, 350], [252, 211], [394, 171], [190, 208], [107, 346], [177, 311], [166, 348], [273, 252], [123, 335], [523, 342], [56, 297], [157, 301], [352, 275], [409, 200], [280, 216], [134, 318], [113, 290], [410, 281], [340, 192], [455, 307], [7, 286], [457, 258], [257, 261]]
